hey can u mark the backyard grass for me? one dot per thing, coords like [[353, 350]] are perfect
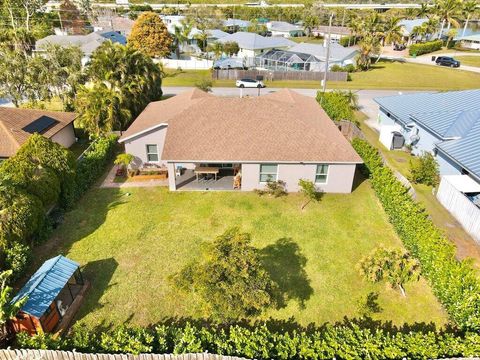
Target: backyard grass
[[383, 75], [307, 39], [130, 240], [469, 60]]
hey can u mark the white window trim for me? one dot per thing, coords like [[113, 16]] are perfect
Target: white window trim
[[326, 175], [260, 174], [147, 153]]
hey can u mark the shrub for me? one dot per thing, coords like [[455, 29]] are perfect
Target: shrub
[[17, 257], [346, 41], [273, 188], [336, 104], [454, 282], [347, 68], [424, 170], [425, 48], [204, 84]]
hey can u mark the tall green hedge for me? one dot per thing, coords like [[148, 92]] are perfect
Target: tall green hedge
[[425, 48], [349, 340], [94, 162], [454, 282]]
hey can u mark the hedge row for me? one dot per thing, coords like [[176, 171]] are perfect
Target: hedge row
[[93, 163], [425, 48], [454, 282], [349, 340]]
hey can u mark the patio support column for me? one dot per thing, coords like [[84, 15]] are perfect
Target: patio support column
[[171, 177]]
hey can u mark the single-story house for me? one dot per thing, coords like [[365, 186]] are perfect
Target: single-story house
[[447, 124], [470, 41], [234, 25], [16, 125], [51, 293], [218, 143], [172, 21], [120, 24], [285, 29], [306, 56], [87, 43], [336, 32], [252, 44], [407, 25]]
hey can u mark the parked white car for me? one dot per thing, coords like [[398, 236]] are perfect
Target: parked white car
[[249, 83]]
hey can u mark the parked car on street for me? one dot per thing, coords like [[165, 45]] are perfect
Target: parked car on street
[[447, 61], [249, 83]]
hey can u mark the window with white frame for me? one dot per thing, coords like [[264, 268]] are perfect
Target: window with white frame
[[152, 153], [321, 174], [268, 172]]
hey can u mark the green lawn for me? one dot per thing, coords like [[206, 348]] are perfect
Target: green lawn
[[469, 60], [384, 75], [307, 39], [129, 241]]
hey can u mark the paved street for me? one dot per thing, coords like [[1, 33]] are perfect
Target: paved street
[[427, 60]]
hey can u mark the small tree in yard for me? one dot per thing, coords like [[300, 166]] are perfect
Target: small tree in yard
[[150, 35], [124, 160], [424, 170], [310, 192], [229, 278], [392, 265], [204, 84]]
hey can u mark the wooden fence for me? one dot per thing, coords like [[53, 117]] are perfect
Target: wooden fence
[[277, 75], [349, 129], [21, 354]]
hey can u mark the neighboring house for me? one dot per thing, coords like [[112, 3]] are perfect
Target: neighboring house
[[234, 25], [470, 41], [307, 57], [118, 24], [447, 124], [407, 27], [280, 136], [216, 34], [16, 125], [252, 44], [172, 21], [87, 43], [285, 29], [336, 32]]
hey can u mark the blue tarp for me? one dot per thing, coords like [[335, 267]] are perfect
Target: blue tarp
[[45, 285]]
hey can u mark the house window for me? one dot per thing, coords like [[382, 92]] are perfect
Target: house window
[[321, 174], [152, 153], [268, 172]]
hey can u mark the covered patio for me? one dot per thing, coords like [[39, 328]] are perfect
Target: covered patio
[[207, 176]]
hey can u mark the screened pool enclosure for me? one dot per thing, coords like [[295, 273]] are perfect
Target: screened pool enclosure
[[284, 60]]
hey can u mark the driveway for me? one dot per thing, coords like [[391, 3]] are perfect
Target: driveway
[[427, 60]]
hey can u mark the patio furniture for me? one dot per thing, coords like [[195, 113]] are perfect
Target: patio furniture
[[199, 170]]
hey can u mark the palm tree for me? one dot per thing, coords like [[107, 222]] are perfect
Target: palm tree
[[392, 30], [216, 48], [447, 11], [202, 38], [368, 46], [469, 8], [450, 35], [423, 10]]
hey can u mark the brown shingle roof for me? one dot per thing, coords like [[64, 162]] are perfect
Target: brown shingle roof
[[282, 126], [13, 120]]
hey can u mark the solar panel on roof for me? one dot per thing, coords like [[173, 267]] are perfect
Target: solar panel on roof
[[42, 124]]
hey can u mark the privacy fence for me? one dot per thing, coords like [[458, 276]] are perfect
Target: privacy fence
[[22, 354], [278, 75]]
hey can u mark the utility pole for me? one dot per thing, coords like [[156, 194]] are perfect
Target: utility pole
[[328, 53]]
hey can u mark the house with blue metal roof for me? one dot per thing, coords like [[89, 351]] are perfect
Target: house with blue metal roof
[[446, 124], [49, 293]]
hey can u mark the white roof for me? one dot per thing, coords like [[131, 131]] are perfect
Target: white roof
[[463, 183], [474, 37], [283, 26], [337, 51], [251, 41]]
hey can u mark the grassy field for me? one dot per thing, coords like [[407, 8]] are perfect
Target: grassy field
[[129, 241], [384, 75], [307, 39], [469, 60], [400, 161]]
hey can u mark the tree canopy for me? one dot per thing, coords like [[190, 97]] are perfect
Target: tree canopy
[[229, 278], [150, 35]]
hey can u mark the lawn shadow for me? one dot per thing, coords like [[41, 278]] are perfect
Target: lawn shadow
[[99, 273], [286, 266]]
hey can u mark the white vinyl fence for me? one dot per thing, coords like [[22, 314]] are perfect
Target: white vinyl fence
[[192, 64], [466, 212]]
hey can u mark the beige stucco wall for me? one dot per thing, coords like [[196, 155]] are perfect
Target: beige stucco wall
[[65, 137], [137, 146], [339, 180]]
